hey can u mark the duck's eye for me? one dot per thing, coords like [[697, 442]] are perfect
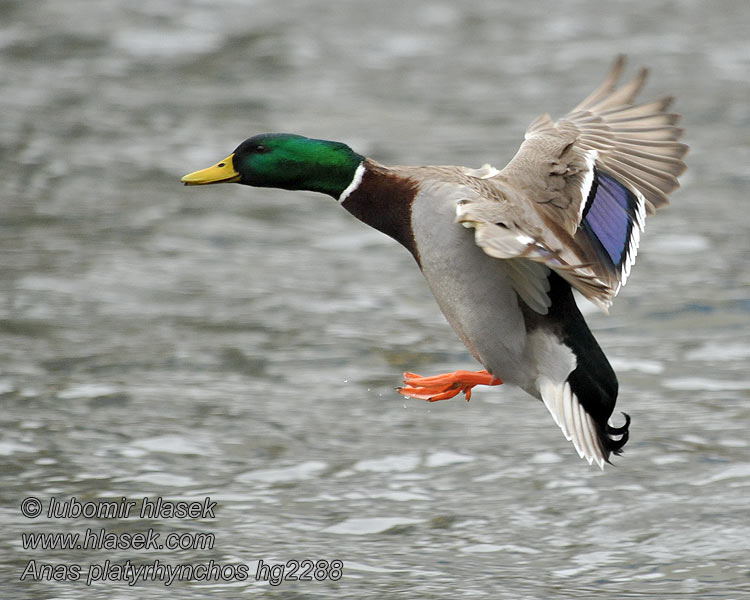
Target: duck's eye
[[260, 149]]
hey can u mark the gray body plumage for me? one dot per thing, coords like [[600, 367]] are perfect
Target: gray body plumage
[[470, 285], [477, 294]]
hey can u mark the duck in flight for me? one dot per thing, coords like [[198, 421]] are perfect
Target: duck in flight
[[502, 250]]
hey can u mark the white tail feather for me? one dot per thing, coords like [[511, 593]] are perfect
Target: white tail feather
[[576, 424]]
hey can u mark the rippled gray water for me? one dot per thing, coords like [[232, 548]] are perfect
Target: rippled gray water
[[243, 344]]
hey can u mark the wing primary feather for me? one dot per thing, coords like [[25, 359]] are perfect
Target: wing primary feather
[[606, 87]]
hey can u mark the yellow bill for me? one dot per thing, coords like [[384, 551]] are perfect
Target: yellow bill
[[222, 172]]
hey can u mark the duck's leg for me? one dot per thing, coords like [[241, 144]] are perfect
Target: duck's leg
[[446, 385]]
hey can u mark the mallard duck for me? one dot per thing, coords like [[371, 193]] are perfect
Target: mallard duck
[[502, 250]]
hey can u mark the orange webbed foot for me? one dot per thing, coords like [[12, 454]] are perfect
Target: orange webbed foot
[[446, 385]]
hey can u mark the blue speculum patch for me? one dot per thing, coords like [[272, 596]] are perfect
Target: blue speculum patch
[[610, 216]]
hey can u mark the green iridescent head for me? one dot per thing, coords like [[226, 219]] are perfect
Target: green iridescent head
[[286, 161]]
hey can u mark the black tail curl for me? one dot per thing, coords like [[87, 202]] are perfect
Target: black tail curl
[[614, 446]]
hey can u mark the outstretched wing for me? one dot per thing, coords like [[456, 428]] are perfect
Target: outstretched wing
[[576, 194]]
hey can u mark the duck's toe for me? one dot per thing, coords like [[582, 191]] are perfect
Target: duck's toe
[[445, 385]]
